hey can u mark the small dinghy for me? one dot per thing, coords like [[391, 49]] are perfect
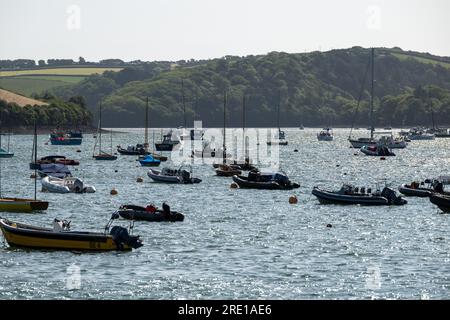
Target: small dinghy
[[380, 149], [225, 170], [167, 175], [54, 170], [149, 161], [245, 165], [65, 185], [62, 238], [136, 150], [325, 135], [150, 213], [265, 180], [349, 194], [442, 201], [53, 159]]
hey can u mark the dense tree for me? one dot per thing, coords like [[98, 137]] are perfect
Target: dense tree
[[318, 88]]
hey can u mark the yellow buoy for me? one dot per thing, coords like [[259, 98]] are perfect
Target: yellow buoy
[[139, 179], [233, 185], [293, 200], [113, 192]]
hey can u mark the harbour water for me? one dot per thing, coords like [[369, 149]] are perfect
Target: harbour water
[[235, 243]]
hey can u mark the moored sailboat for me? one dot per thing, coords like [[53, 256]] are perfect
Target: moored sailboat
[[101, 155], [21, 204]]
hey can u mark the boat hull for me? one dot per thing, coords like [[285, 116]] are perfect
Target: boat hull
[[105, 157], [158, 177], [279, 143], [41, 238], [326, 197], [415, 192], [66, 142], [22, 205], [443, 202], [158, 216], [164, 146], [376, 153], [6, 154], [361, 143], [244, 183]]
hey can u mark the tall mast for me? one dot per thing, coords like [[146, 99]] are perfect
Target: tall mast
[[100, 125], [146, 126], [278, 112], [35, 158], [184, 102], [243, 127], [111, 141], [371, 96], [224, 126], [431, 108]]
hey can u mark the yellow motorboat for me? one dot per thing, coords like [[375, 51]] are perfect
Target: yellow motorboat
[[22, 205], [62, 238]]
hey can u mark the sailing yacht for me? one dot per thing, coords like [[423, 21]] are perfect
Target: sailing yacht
[[224, 169], [4, 153], [281, 140], [20, 204], [101, 154]]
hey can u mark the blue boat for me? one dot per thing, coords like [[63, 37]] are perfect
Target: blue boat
[[66, 139], [149, 161]]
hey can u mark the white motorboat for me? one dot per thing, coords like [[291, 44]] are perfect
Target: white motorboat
[[325, 135]]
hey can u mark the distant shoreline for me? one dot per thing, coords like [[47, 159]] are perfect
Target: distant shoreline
[[92, 130]]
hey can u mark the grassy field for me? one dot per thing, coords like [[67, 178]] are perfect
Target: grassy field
[[16, 98], [58, 71], [404, 56], [28, 85]]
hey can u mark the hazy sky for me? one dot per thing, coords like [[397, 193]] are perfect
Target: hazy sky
[[184, 29]]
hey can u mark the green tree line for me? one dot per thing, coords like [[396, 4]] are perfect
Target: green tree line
[[317, 88], [70, 113]]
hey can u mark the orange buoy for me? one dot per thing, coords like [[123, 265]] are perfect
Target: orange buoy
[[293, 199], [114, 192], [234, 185], [139, 179]]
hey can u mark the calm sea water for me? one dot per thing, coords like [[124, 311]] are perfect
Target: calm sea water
[[239, 244]]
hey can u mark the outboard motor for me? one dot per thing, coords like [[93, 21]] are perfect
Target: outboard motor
[[392, 197], [78, 186], [121, 236]]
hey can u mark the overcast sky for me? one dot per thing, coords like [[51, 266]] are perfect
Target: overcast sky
[[199, 29]]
